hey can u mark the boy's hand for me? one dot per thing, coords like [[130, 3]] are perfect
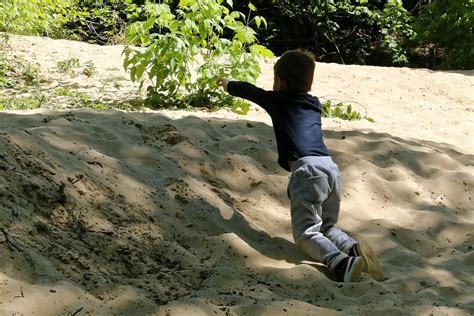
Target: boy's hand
[[223, 82]]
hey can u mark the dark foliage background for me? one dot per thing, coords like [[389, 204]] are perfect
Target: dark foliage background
[[421, 33]]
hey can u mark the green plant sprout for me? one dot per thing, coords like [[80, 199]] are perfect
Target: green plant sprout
[[343, 111], [89, 69], [42, 228], [66, 91], [67, 65], [30, 74]]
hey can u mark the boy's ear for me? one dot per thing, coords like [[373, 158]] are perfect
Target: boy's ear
[[310, 84], [279, 84], [276, 83]]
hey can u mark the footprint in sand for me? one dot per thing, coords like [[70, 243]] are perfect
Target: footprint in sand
[[101, 133], [165, 133]]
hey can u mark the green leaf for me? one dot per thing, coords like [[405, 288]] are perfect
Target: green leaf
[[257, 21], [262, 50], [370, 119], [245, 34], [241, 107], [132, 73]]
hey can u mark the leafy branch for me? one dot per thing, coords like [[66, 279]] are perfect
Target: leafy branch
[[184, 51]]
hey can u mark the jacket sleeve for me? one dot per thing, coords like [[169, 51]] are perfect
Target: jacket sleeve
[[252, 93]]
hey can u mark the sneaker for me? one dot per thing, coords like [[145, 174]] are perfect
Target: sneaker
[[372, 264], [349, 269]]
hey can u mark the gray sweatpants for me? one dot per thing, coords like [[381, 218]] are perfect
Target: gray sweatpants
[[314, 191]]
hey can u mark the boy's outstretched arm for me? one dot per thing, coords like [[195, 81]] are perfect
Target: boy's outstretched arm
[[248, 91]]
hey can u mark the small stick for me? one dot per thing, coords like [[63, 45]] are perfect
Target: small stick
[[76, 312], [21, 292]]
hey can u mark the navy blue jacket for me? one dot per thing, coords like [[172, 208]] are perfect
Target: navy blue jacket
[[296, 120]]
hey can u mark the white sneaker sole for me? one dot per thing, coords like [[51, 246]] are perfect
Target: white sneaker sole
[[371, 261], [355, 270]]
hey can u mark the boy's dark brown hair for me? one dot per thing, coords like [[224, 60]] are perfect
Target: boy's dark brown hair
[[296, 68]]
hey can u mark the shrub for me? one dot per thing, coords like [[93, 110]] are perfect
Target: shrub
[[101, 21], [345, 31], [395, 28], [446, 29], [98, 21], [176, 42], [34, 17]]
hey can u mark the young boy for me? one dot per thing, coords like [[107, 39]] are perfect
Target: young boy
[[314, 186]]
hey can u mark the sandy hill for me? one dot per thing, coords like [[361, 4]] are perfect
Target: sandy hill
[[185, 213]]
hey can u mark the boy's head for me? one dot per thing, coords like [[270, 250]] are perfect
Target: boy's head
[[294, 71]]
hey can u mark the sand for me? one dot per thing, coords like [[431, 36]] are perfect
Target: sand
[[185, 213]]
